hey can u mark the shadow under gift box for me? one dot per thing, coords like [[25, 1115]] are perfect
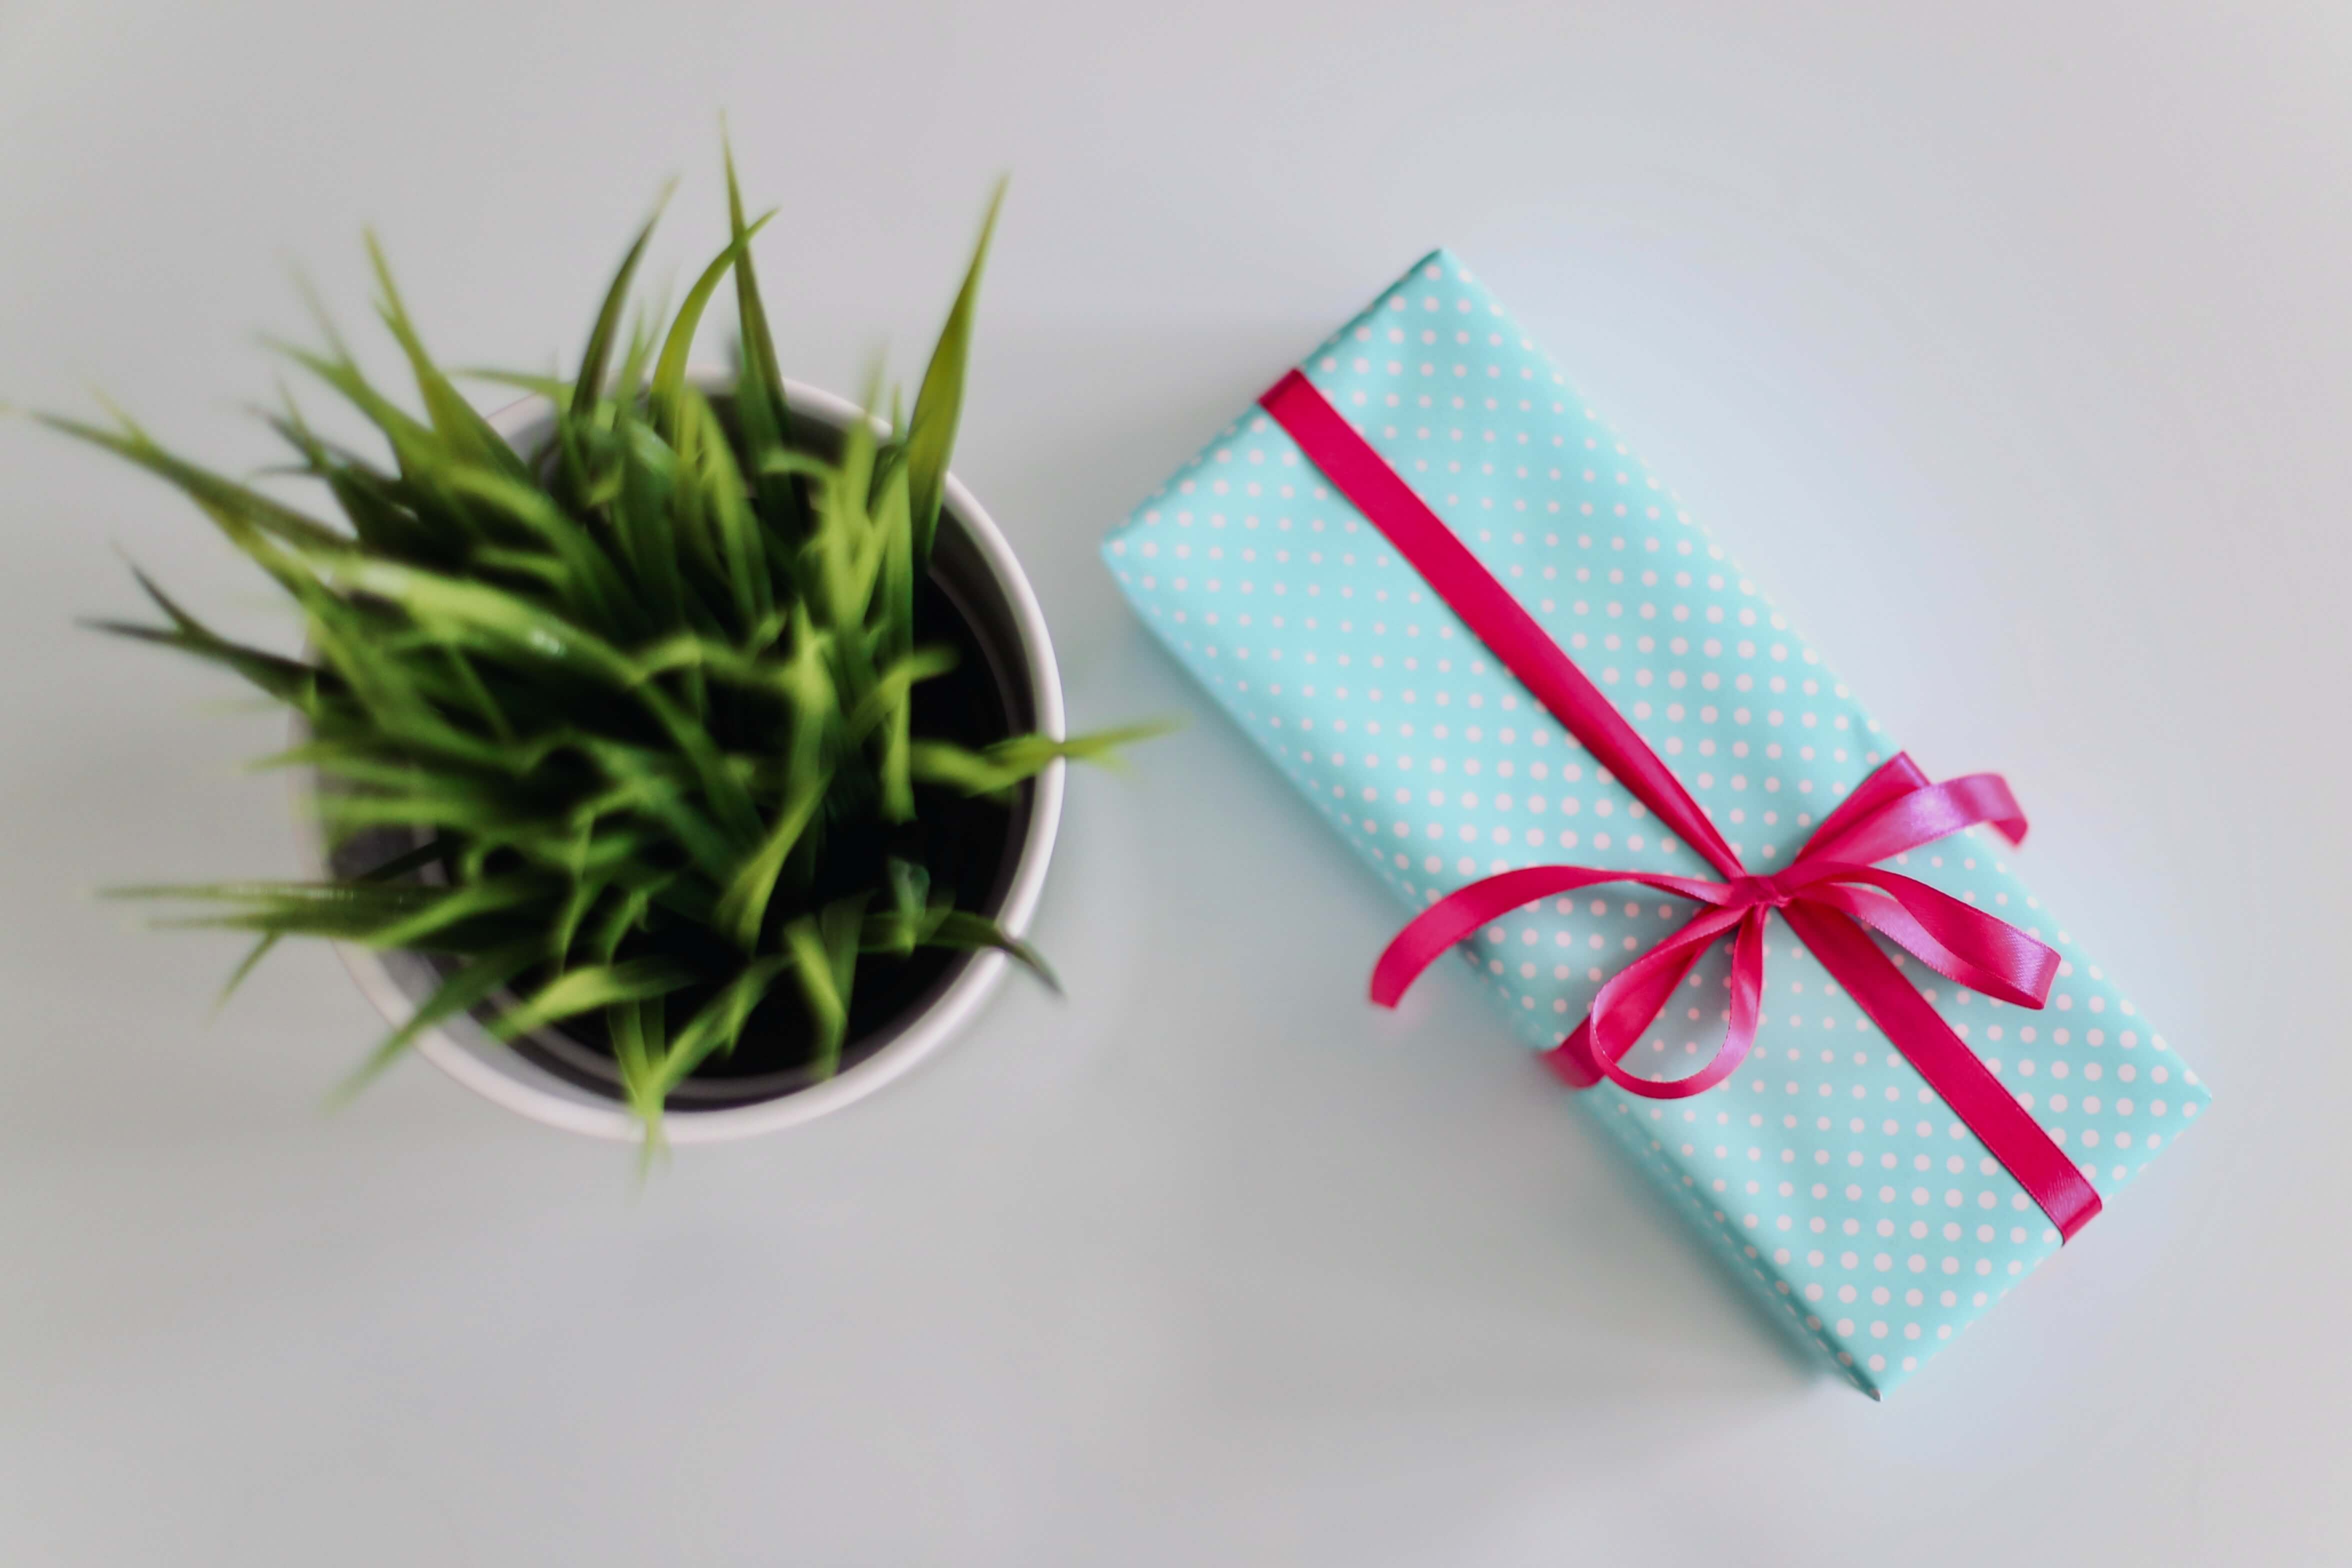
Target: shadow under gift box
[[1836, 1178]]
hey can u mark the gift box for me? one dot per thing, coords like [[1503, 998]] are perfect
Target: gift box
[[1550, 713]]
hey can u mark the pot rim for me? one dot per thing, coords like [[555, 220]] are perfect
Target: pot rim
[[467, 1053]]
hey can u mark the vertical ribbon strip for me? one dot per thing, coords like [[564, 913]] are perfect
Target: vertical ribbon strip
[[1827, 894]]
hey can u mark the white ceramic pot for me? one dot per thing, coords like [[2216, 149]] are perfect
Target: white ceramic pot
[[532, 1081]]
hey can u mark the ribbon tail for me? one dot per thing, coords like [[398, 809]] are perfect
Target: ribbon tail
[[1950, 1068]]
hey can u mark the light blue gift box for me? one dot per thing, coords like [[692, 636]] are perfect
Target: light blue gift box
[[1836, 1179]]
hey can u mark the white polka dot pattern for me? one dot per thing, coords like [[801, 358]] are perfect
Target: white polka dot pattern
[[1838, 1182]]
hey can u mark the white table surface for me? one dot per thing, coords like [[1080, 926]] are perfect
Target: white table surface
[[2008, 344]]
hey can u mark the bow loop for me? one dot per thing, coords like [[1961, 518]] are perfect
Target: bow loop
[[1905, 820]]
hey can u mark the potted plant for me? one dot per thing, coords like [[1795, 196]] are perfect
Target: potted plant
[[683, 750]]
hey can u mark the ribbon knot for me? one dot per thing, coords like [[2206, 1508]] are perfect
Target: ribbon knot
[[1827, 894], [1752, 892]]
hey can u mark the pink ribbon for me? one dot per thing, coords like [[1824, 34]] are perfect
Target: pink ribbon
[[1827, 894]]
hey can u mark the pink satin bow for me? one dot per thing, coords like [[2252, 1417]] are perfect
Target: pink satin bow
[[1828, 894], [1893, 810]]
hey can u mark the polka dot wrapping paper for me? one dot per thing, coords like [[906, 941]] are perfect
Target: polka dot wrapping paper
[[1840, 1187]]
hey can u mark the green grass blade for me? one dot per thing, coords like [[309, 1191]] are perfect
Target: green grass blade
[[638, 1029], [371, 499], [663, 800], [464, 429], [938, 403], [411, 440], [464, 990], [480, 611], [219, 497], [585, 990], [589, 580], [764, 385], [598, 357], [456, 905], [744, 907], [962, 929], [554, 388], [640, 508], [900, 928], [246, 966], [669, 371], [759, 406], [742, 544], [823, 952], [719, 1023], [1007, 762], [1028, 753], [290, 680], [892, 685]]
